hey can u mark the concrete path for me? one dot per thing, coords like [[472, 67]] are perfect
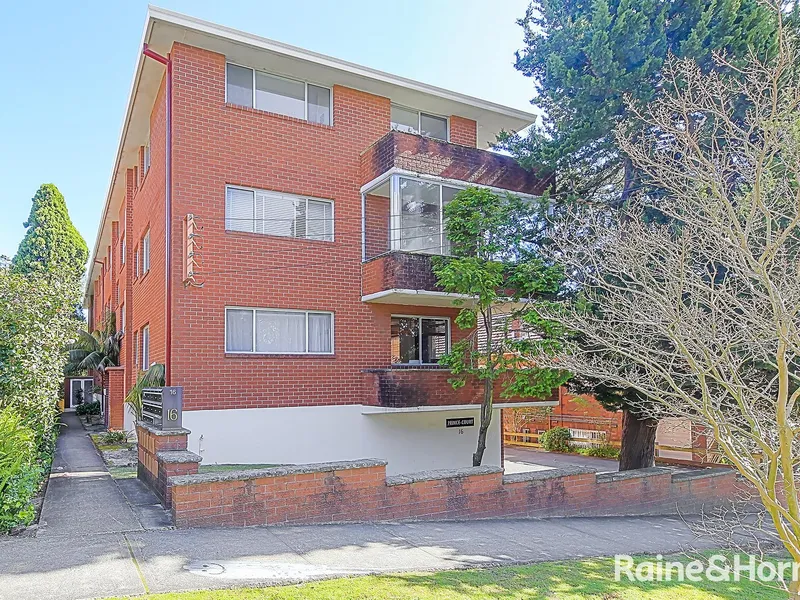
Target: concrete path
[[520, 458], [106, 564], [99, 542], [83, 499]]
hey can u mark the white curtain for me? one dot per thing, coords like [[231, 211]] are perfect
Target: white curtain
[[278, 331], [239, 326], [319, 332]]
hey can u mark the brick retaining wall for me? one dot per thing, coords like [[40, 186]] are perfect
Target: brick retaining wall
[[360, 491]]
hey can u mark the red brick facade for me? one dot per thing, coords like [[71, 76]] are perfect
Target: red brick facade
[[115, 418], [216, 144]]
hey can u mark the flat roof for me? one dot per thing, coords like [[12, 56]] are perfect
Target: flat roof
[[164, 27]]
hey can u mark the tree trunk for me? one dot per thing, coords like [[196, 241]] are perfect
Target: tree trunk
[[638, 442], [486, 420]]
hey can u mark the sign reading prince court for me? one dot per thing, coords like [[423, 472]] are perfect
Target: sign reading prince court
[[462, 422]]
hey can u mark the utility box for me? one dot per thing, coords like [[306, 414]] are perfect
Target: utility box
[[163, 407]]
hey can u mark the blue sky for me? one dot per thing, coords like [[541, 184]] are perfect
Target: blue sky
[[66, 70]]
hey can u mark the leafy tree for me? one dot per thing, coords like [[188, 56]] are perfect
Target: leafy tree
[[492, 262], [594, 65], [702, 319], [95, 351], [593, 60], [51, 244]]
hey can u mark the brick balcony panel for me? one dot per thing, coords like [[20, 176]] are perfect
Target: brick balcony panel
[[419, 154]]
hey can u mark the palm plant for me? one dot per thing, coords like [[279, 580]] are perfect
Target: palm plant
[[97, 350], [153, 377]]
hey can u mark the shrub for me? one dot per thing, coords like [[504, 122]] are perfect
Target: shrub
[[604, 450], [88, 408], [17, 446], [16, 506], [113, 438], [556, 440]]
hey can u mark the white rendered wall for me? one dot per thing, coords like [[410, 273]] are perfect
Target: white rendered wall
[[294, 435]]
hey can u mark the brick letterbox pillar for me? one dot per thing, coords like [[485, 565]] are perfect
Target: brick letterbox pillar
[[163, 454]]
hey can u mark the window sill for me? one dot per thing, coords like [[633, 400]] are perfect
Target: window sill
[[277, 237], [276, 115], [281, 355]]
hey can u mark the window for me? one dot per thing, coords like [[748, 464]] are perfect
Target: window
[[146, 166], [274, 331], [146, 252], [272, 213], [414, 121], [421, 223], [122, 317], [122, 251], [419, 340], [136, 348], [145, 347], [272, 93]]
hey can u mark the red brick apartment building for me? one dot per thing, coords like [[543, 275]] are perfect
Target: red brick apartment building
[[268, 234]]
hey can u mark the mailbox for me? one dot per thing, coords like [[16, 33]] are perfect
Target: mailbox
[[163, 407]]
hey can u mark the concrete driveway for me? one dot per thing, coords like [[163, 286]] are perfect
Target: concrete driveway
[[519, 459]]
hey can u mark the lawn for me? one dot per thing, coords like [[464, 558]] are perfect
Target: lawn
[[591, 579]]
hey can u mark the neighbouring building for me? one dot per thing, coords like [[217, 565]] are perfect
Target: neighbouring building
[[268, 234]]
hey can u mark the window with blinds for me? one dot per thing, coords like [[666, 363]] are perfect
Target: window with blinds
[[273, 213]]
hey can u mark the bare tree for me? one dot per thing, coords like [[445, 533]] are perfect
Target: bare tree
[[700, 310]]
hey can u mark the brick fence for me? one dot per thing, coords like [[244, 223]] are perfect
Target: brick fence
[[355, 491]]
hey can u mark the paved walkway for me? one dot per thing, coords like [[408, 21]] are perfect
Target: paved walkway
[[83, 499], [520, 458], [96, 542]]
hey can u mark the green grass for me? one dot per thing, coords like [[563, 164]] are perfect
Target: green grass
[[230, 467], [122, 472], [591, 579]]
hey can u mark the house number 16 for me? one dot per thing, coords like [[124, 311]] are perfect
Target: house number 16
[[172, 414]]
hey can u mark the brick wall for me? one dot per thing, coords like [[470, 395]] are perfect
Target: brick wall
[[399, 270], [116, 398], [577, 412], [360, 491], [463, 131], [400, 387], [420, 154]]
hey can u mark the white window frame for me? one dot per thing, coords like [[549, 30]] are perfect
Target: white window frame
[[145, 253], [396, 217], [294, 197], [147, 157], [122, 250], [122, 317], [292, 310], [305, 93], [419, 324], [145, 347], [419, 121]]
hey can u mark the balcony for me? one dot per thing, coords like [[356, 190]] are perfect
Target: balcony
[[403, 278], [426, 156], [410, 179], [401, 388]]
